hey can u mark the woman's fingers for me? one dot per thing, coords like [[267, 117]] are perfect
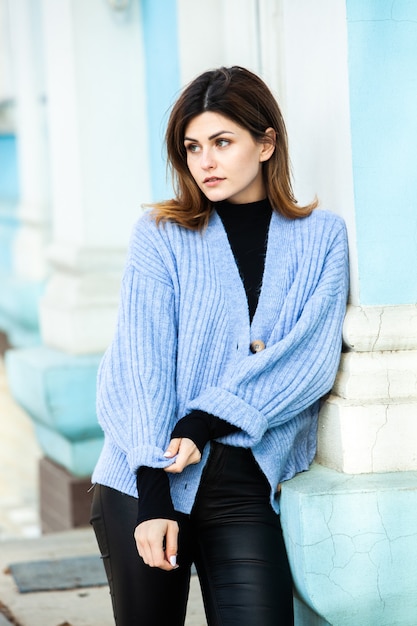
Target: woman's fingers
[[171, 544], [157, 543], [173, 448], [188, 454]]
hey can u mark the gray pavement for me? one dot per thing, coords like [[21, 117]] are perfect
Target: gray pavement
[[21, 539]]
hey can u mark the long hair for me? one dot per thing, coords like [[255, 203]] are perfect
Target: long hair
[[243, 97]]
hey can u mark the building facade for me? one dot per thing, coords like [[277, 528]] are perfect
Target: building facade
[[85, 88]]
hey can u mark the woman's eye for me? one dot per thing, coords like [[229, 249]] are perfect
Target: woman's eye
[[191, 147], [222, 143]]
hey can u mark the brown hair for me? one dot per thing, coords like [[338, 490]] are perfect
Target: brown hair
[[244, 98]]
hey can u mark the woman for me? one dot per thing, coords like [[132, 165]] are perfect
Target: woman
[[228, 335]]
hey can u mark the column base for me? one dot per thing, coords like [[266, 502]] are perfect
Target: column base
[[352, 546], [58, 392], [77, 456], [65, 501]]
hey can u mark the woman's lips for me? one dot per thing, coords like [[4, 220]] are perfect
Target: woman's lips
[[212, 181]]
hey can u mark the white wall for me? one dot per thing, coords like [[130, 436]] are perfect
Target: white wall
[[97, 121], [316, 108]]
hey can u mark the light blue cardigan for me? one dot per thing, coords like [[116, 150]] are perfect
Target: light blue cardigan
[[182, 342]]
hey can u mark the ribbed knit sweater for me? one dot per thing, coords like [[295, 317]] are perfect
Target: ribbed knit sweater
[[182, 343], [246, 226]]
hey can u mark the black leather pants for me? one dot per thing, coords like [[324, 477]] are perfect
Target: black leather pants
[[232, 535]]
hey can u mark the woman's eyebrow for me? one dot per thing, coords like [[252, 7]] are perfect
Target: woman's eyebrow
[[221, 132]]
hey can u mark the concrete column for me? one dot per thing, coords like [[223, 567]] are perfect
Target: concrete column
[[368, 424], [349, 98], [99, 168], [98, 178], [22, 93], [34, 208], [6, 82], [230, 36]]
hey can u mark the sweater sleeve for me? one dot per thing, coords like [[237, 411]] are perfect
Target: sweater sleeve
[[202, 427], [136, 395], [270, 387], [154, 496], [153, 483]]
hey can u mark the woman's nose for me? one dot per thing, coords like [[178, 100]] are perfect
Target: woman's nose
[[207, 160]]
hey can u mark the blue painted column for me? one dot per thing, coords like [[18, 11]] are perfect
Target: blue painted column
[[159, 24], [18, 297], [9, 196], [29, 265], [349, 522], [382, 38]]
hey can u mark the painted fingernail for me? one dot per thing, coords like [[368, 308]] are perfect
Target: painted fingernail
[[173, 560]]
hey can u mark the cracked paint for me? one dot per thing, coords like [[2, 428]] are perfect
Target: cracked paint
[[377, 433], [378, 332], [354, 541], [375, 328]]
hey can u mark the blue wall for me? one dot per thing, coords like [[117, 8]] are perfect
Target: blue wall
[[162, 82], [383, 83], [9, 196], [9, 182]]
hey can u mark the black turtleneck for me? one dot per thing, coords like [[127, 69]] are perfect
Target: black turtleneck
[[247, 228]]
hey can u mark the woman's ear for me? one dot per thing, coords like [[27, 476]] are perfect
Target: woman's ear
[[268, 145]]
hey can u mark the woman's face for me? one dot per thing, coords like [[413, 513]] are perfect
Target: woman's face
[[224, 159]]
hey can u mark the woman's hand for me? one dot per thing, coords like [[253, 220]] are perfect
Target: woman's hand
[[157, 543], [187, 454]]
